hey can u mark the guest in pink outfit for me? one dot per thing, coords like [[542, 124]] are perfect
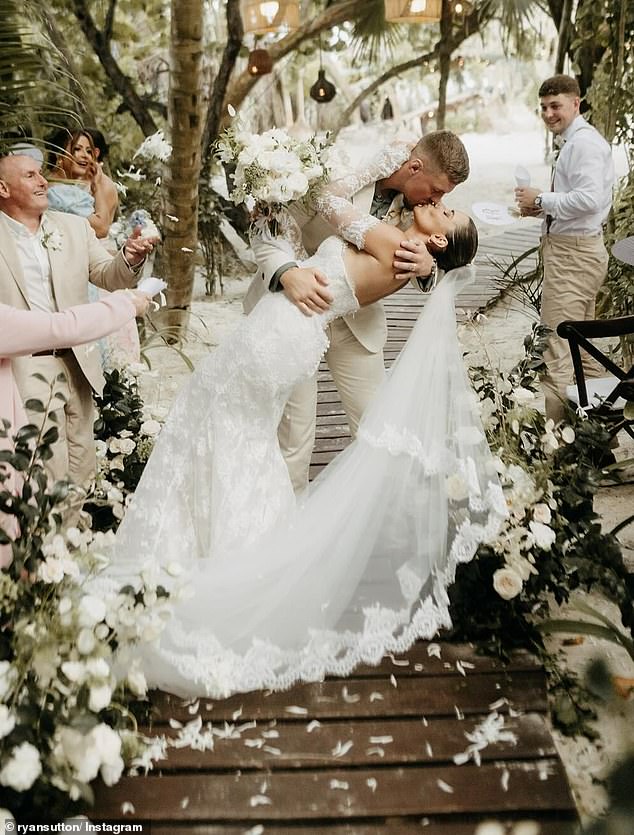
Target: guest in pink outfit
[[25, 332]]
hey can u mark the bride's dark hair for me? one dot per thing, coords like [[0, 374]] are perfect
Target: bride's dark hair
[[461, 248]]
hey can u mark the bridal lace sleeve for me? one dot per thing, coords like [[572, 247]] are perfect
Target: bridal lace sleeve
[[333, 202]]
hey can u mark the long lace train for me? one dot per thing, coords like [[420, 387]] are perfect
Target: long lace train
[[282, 593]]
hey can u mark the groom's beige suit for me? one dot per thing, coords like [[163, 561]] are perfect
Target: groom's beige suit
[[75, 257], [355, 353]]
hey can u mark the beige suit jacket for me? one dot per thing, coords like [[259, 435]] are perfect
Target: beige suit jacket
[[80, 259], [368, 325]]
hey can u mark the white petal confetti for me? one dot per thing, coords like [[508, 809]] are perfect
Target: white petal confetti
[[375, 696], [311, 726], [498, 704], [379, 752], [236, 714], [296, 710], [393, 681], [174, 723], [192, 709], [381, 740], [258, 829], [272, 734], [184, 803], [276, 752], [429, 750], [186, 249], [445, 787], [173, 218], [254, 743], [127, 808], [260, 800], [372, 784], [342, 748], [398, 662], [339, 784], [350, 698], [433, 650], [490, 730], [504, 781], [459, 713]]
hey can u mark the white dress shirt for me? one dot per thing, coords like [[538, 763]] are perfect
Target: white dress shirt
[[35, 265], [582, 189]]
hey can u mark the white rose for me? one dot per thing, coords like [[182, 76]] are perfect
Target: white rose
[[114, 445], [74, 670], [80, 752], [99, 698], [117, 463], [297, 184], [114, 494], [136, 681], [70, 567], [7, 721], [92, 610], [22, 768], [567, 434], [127, 446], [150, 428], [98, 668], [51, 570], [86, 642], [56, 547], [108, 743], [544, 536], [541, 513], [507, 583]]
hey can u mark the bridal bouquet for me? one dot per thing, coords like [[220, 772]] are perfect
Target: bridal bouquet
[[271, 169]]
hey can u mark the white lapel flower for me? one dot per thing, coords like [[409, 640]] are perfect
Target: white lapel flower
[[52, 239]]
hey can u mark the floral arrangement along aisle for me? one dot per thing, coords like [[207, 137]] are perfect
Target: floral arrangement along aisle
[[64, 718]]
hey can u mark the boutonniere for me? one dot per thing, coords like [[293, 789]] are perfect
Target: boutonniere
[[52, 239]]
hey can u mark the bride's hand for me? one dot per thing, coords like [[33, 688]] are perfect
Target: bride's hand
[[413, 258], [306, 288]]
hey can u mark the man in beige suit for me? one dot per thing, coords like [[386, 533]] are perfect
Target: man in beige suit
[[355, 356], [46, 261]]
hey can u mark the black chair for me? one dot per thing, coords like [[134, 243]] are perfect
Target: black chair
[[603, 397]]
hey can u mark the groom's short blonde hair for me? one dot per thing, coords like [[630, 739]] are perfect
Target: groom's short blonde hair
[[446, 153]]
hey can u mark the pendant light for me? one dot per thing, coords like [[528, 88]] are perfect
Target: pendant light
[[260, 62], [261, 16], [322, 90], [412, 11]]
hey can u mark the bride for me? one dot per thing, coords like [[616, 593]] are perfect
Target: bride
[[279, 589]]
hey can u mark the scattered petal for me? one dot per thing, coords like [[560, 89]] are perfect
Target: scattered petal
[[372, 784], [311, 726], [429, 750], [296, 710], [381, 740], [260, 800], [393, 681], [271, 750], [350, 698], [184, 803], [186, 249], [433, 650], [376, 751], [339, 784], [236, 714], [375, 696], [459, 713], [504, 781], [127, 808], [192, 709], [342, 748], [445, 787], [254, 743]]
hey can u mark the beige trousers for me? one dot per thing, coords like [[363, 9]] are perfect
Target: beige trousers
[[74, 452], [574, 270], [357, 374]]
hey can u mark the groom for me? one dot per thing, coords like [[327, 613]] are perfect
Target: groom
[[436, 165]]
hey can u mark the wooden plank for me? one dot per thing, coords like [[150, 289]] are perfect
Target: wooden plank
[[398, 696], [427, 825], [522, 786], [283, 745]]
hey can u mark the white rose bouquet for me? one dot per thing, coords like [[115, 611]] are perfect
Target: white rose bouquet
[[269, 170]]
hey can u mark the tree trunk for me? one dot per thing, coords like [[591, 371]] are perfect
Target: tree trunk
[[185, 113], [563, 40], [444, 63]]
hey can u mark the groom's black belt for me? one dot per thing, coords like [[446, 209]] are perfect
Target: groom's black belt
[[55, 352]]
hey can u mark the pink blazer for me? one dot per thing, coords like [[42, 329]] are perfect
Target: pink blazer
[[24, 332]]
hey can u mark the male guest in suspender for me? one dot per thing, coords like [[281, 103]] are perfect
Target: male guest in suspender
[[574, 256]]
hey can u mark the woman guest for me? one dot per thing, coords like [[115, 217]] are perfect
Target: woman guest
[[78, 183], [24, 332]]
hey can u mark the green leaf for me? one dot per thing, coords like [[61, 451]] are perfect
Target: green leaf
[[33, 405], [628, 410]]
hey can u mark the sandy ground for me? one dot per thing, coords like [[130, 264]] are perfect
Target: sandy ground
[[498, 340]]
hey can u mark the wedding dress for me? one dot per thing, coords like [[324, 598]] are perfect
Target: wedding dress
[[280, 589]]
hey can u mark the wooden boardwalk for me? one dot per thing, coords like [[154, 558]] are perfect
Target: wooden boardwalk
[[372, 753]]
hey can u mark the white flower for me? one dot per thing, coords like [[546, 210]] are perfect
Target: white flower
[[522, 396], [544, 536], [55, 547], [22, 768], [7, 721], [52, 239], [136, 681], [91, 610], [99, 698], [86, 642], [101, 449], [74, 537], [108, 743], [541, 513], [150, 428], [51, 570], [154, 146], [127, 446], [98, 668], [8, 676], [567, 434], [507, 583], [74, 670]]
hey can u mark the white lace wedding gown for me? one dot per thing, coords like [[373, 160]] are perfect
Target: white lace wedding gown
[[283, 591]]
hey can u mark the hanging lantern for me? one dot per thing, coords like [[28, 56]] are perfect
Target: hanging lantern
[[260, 16], [260, 62], [322, 90], [413, 11]]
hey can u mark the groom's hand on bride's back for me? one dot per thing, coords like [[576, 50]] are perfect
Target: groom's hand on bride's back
[[307, 289]]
